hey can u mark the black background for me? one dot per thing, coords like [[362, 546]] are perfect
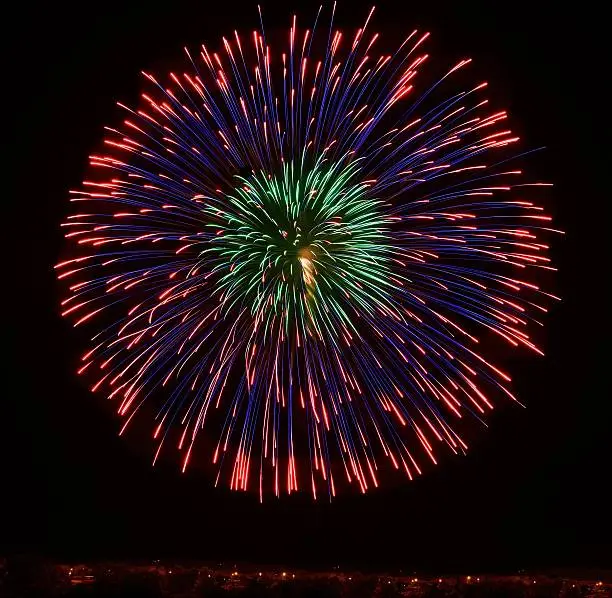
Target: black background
[[531, 493]]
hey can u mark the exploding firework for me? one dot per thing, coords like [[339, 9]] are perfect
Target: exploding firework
[[295, 257]]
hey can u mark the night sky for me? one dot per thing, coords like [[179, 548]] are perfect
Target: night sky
[[532, 491]]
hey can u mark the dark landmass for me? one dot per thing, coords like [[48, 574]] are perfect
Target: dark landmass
[[25, 577]]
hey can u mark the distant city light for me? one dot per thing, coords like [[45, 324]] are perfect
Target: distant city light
[[228, 577]]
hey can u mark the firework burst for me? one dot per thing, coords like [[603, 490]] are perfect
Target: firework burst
[[296, 256]]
